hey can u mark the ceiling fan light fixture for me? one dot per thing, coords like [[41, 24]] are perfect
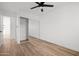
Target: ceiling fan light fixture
[[42, 10], [41, 5]]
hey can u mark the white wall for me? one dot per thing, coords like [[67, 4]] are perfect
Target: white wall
[[18, 29], [34, 27], [13, 27], [62, 26]]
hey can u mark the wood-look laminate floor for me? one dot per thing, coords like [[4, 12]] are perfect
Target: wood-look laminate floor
[[34, 47]]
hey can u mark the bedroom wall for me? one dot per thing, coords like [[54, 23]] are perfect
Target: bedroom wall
[[34, 28], [13, 27], [61, 26]]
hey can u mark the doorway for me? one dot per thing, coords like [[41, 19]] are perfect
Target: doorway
[[13, 28], [6, 27], [23, 28]]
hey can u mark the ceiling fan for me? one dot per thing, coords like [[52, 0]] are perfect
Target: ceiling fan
[[42, 4]]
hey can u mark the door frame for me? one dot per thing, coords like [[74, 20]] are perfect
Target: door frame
[[27, 27]]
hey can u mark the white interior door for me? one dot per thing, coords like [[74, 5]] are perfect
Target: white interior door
[[23, 28], [1, 30]]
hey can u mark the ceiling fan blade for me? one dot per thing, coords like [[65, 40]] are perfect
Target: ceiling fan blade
[[42, 2], [37, 2], [35, 7], [45, 5]]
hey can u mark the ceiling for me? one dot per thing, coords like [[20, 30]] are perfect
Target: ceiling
[[23, 9]]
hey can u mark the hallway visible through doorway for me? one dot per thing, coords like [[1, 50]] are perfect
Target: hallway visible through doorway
[[6, 27]]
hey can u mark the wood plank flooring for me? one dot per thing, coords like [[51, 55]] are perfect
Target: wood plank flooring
[[34, 47]]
